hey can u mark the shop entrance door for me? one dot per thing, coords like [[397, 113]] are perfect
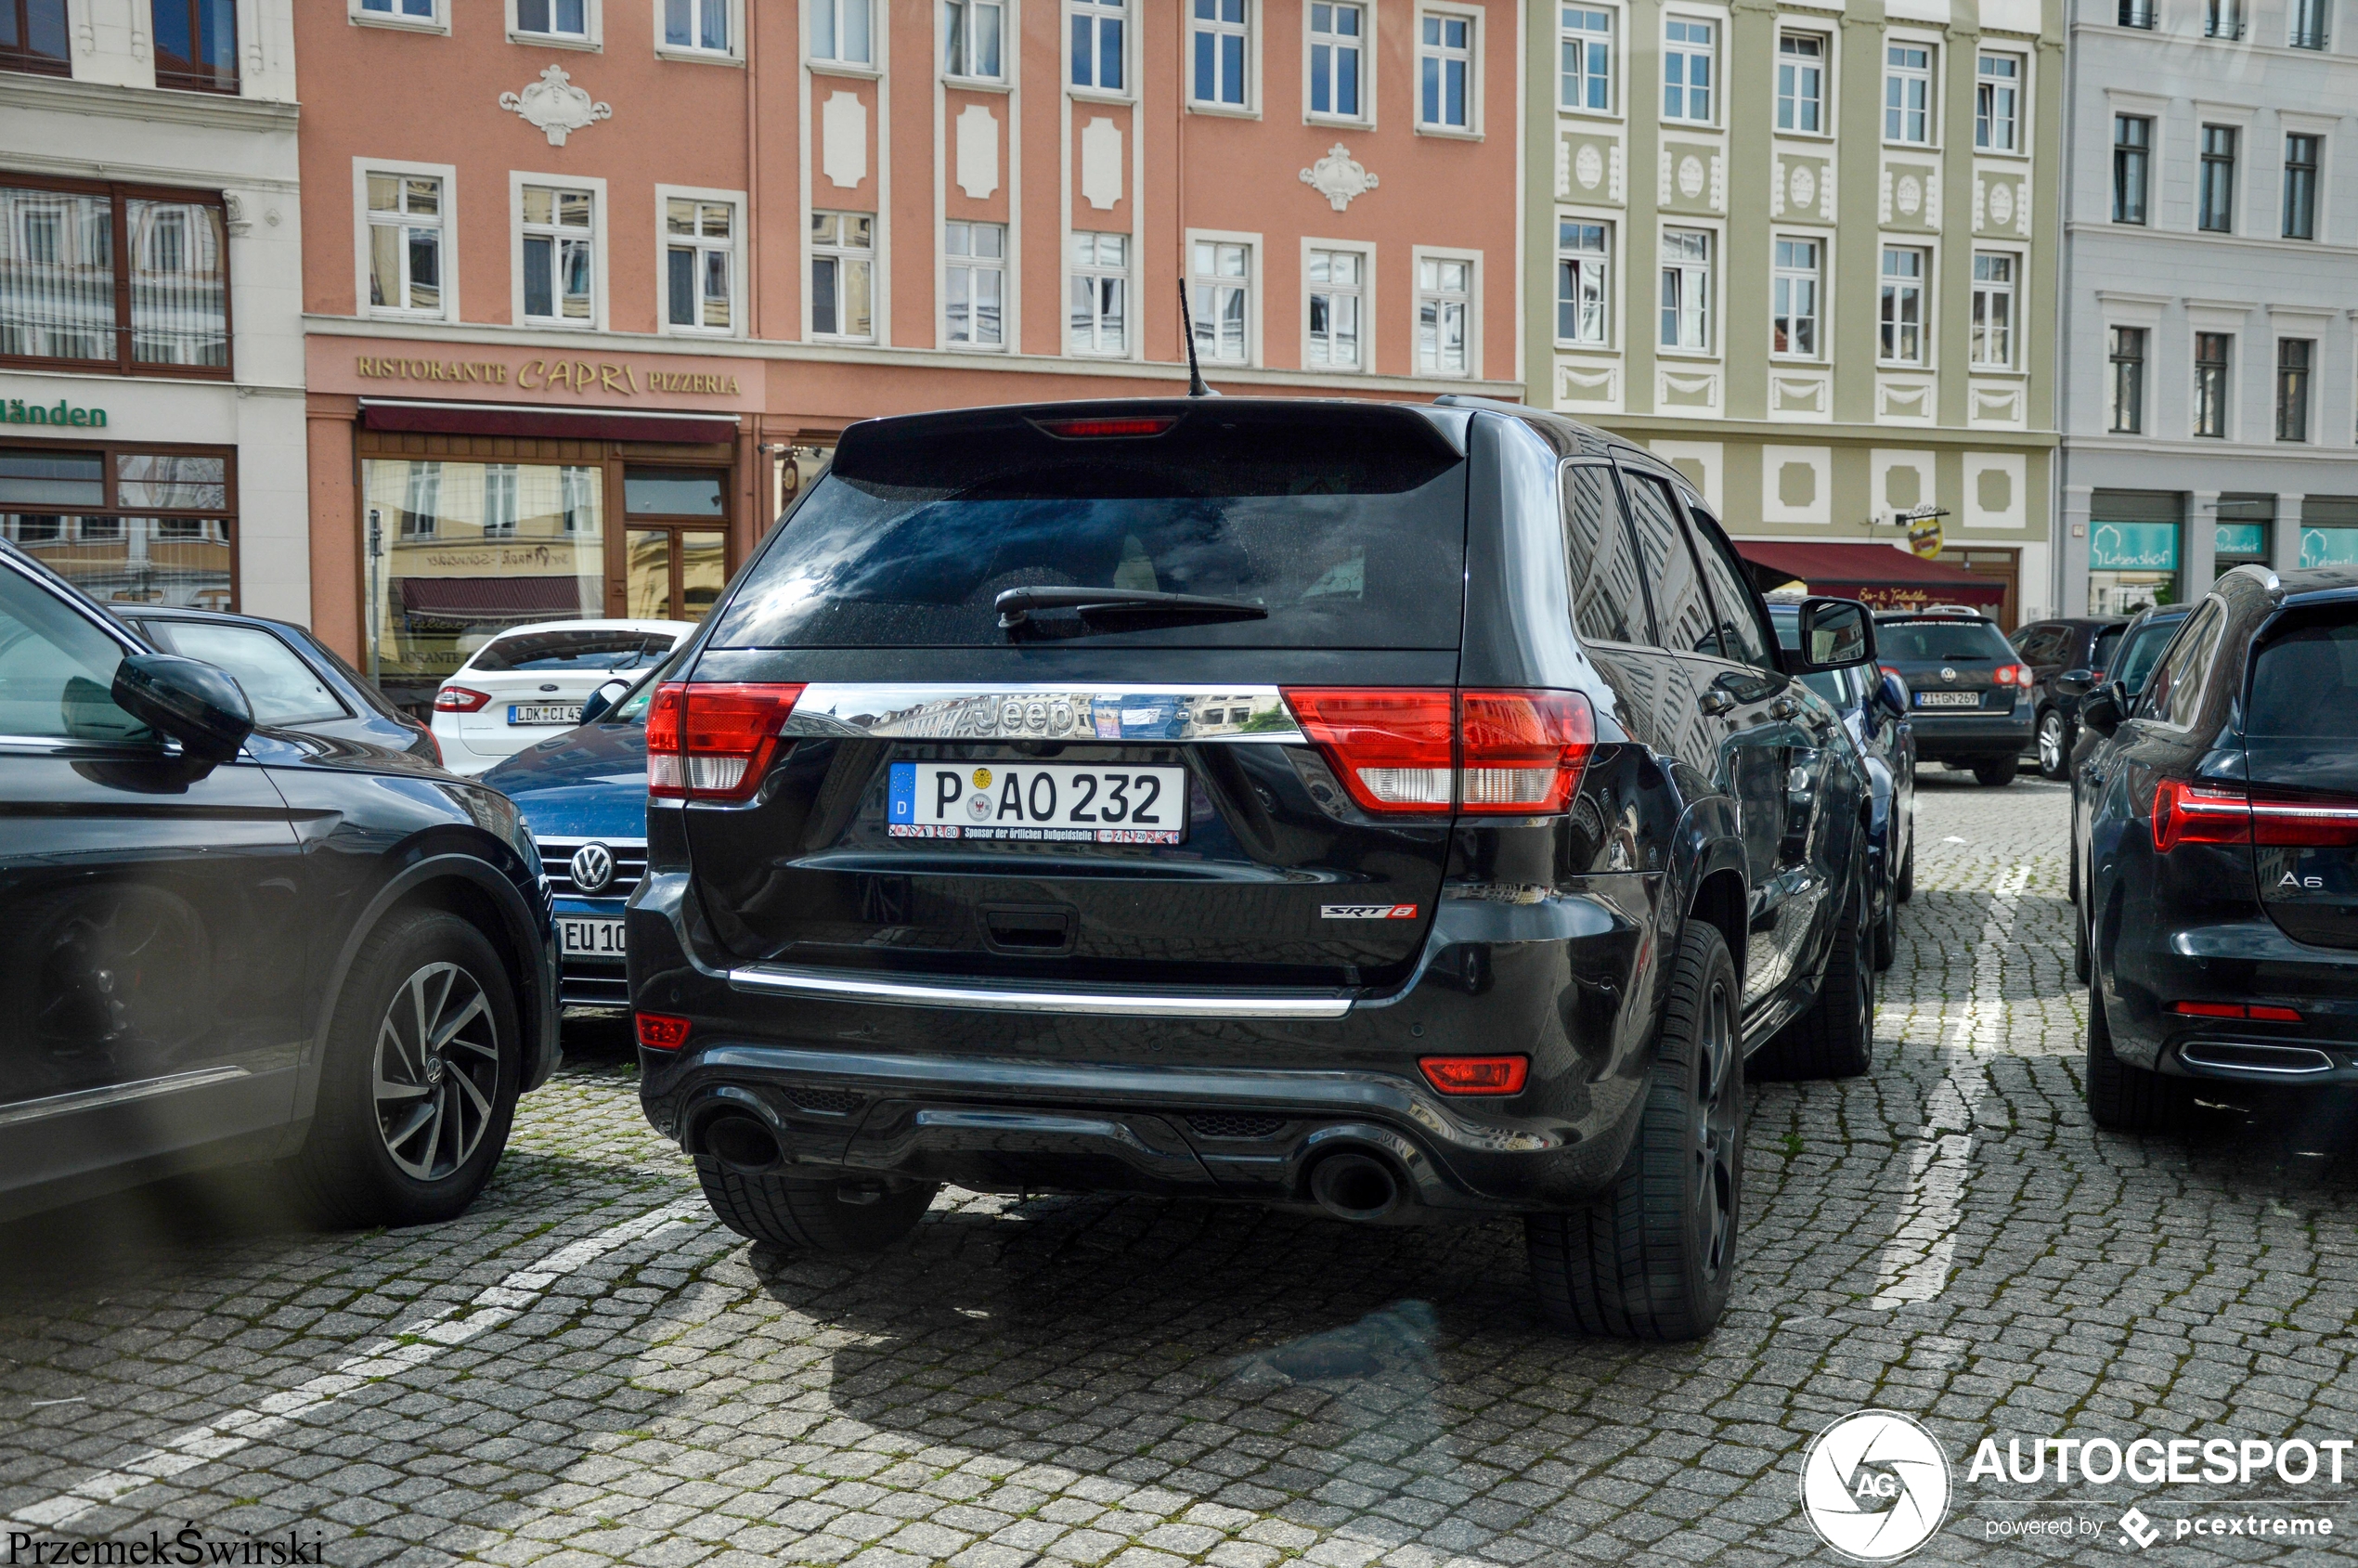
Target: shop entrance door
[[675, 542]]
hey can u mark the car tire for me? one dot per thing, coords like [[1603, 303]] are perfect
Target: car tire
[[833, 1217], [1836, 1037], [2123, 1098], [1903, 887], [1998, 774], [1653, 1257], [2055, 745], [418, 1084]]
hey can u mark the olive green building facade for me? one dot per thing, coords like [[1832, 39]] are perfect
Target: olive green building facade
[[1809, 255]]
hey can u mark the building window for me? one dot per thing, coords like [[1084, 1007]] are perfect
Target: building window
[[420, 11], [1686, 70], [32, 37], [1997, 104], [701, 25], [974, 262], [1584, 72], [843, 252], [567, 20], [841, 32], [2223, 18], [2300, 187], [970, 32], [500, 500], [2128, 389], [1098, 44], [2308, 23], [2133, 140], [1445, 316], [1907, 94], [1583, 303], [2212, 352], [1445, 71], [2136, 13], [127, 526], [2216, 202], [1901, 313], [1686, 289], [1801, 82], [1218, 33], [2294, 356], [1991, 345], [196, 44], [558, 260], [700, 247], [1101, 293], [1793, 298], [405, 245], [1337, 34], [1223, 283], [1337, 293]]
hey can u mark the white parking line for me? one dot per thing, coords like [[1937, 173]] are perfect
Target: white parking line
[[1915, 1263], [426, 1338]]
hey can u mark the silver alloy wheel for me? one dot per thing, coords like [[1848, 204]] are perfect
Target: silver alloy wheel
[[437, 1074], [1716, 1153], [2051, 745]]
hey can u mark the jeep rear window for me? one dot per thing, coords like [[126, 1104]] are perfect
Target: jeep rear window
[[1346, 523], [2304, 679], [1945, 640]]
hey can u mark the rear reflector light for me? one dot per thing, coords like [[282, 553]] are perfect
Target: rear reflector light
[[2188, 813], [1085, 430], [713, 740], [459, 699], [1476, 1075], [2260, 1011], [1426, 749], [2272, 1015], [661, 1031]]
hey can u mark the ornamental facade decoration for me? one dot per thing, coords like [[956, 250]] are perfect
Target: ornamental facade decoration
[[1338, 176], [555, 106]]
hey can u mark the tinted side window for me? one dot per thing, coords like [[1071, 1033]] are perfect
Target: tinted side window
[[1608, 590], [1683, 612], [57, 670], [2175, 691], [1740, 629]]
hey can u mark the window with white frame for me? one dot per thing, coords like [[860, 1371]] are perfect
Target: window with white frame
[[498, 501], [1100, 293], [1997, 104], [1796, 281], [1337, 290], [1686, 290], [423, 13], [1445, 316], [975, 284], [701, 26], [559, 255], [1584, 252], [843, 260], [700, 264], [1900, 316], [1221, 276], [970, 37], [1584, 68], [842, 32], [1338, 41], [566, 20], [1216, 39], [1445, 71], [1687, 79], [1099, 28], [405, 244], [1907, 94], [1992, 342], [1801, 82]]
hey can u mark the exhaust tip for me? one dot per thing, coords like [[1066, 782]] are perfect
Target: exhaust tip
[[1354, 1187], [741, 1143]]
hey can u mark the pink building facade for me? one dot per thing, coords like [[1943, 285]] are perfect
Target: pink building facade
[[591, 285]]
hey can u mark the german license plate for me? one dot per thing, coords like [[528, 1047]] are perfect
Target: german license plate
[[1947, 699], [583, 938], [544, 713], [1051, 801]]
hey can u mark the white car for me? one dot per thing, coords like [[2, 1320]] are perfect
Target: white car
[[529, 682]]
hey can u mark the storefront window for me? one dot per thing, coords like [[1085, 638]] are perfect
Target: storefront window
[[126, 528], [676, 569]]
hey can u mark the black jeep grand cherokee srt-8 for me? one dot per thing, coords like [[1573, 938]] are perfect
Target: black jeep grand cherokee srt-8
[[1403, 810]]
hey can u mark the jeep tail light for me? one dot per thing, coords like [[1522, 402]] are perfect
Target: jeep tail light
[[1476, 1075], [1521, 751], [459, 699], [2191, 813], [714, 739], [660, 1031], [1426, 749]]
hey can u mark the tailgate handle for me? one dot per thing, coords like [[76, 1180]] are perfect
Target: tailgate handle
[[1032, 928]]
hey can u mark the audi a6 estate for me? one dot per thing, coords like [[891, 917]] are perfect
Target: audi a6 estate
[[1403, 811], [2219, 907]]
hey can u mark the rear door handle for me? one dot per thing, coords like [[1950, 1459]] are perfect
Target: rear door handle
[[1715, 701]]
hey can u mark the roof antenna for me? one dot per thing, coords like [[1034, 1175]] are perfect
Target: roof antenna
[[1187, 324]]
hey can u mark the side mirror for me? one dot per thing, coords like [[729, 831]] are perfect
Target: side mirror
[[2102, 712], [2075, 682], [1835, 634], [601, 701], [197, 703], [1891, 696]]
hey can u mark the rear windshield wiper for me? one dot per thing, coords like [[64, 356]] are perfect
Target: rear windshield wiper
[[1015, 605]]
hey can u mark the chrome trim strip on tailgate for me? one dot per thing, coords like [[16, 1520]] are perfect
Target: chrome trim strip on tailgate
[[777, 979], [1013, 711]]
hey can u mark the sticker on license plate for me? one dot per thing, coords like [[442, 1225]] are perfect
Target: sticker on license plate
[[544, 713], [590, 939], [1947, 699], [1055, 802]]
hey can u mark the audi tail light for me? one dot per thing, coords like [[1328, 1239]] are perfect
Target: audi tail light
[[1423, 750], [714, 739], [2306, 822], [2208, 813], [2191, 813], [459, 699]]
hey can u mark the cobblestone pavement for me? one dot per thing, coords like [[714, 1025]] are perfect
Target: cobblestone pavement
[[588, 1369]]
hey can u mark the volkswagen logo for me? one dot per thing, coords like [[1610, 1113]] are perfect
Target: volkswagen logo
[[1948, 674], [592, 868]]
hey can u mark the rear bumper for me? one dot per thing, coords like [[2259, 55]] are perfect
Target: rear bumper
[[1942, 737], [2241, 961]]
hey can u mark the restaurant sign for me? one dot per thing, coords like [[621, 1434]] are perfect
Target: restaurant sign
[[582, 378]]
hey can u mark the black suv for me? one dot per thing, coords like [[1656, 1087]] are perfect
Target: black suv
[[1401, 809]]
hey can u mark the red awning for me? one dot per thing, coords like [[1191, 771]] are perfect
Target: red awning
[[483, 600], [1883, 576], [493, 419]]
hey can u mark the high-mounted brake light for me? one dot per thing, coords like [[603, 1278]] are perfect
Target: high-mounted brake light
[[1085, 430], [714, 739], [1476, 1075], [661, 1031], [459, 699], [1426, 749]]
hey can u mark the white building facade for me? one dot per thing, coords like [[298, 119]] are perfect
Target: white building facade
[[151, 410]]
